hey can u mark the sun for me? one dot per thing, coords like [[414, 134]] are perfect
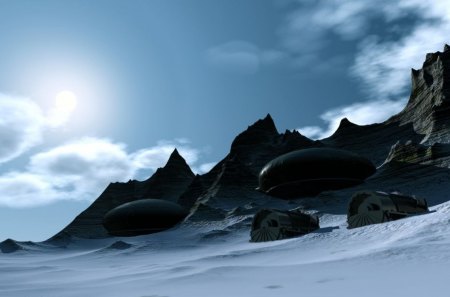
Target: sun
[[66, 101]]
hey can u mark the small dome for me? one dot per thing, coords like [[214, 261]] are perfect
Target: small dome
[[308, 172], [143, 217]]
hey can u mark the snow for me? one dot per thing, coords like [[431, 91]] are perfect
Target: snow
[[409, 257]]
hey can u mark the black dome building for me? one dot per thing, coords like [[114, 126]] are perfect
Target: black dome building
[[143, 217], [308, 172]]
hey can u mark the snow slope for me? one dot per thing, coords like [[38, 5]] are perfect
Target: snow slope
[[408, 257]]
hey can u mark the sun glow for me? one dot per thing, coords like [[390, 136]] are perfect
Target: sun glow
[[65, 104], [66, 101]]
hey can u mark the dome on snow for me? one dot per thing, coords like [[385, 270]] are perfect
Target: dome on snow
[[143, 217], [308, 172]]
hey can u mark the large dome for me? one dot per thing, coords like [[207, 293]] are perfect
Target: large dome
[[308, 172], [143, 217]]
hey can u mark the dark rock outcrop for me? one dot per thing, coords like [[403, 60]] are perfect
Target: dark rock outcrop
[[10, 246], [371, 141], [120, 245], [437, 154], [232, 182]]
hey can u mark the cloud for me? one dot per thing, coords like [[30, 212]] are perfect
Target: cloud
[[384, 67], [241, 57], [391, 37], [22, 124], [81, 170], [22, 189], [306, 30], [84, 167], [76, 170], [362, 113], [204, 168], [156, 156], [313, 132]]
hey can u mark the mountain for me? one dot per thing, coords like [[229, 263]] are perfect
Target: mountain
[[166, 183], [411, 151]]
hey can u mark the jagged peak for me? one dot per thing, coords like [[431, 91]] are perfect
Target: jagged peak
[[446, 47], [176, 160], [266, 123], [346, 123], [437, 56], [261, 131], [175, 155], [346, 128]]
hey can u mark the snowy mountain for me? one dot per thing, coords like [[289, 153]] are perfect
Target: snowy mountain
[[210, 253]]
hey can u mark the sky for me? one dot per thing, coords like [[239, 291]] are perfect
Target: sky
[[144, 77]]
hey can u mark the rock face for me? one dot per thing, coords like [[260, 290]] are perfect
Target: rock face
[[168, 183], [428, 108], [411, 151], [371, 141], [232, 182], [9, 246]]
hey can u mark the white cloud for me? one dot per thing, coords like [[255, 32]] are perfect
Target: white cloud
[[362, 113], [76, 170], [382, 64], [22, 123], [156, 156], [82, 169], [86, 166], [305, 29], [242, 57], [385, 68], [313, 132], [22, 189], [204, 168]]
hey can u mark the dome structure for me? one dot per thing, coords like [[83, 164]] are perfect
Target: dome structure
[[310, 171], [143, 217]]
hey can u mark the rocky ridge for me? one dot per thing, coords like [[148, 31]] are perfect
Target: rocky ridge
[[410, 149], [167, 183]]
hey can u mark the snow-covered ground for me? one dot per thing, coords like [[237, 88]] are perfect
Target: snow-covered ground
[[409, 257]]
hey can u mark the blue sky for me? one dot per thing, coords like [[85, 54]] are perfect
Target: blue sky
[[153, 75]]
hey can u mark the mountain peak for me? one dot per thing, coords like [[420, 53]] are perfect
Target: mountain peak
[[175, 157], [345, 123], [167, 183], [446, 48], [263, 130], [266, 123], [176, 161]]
